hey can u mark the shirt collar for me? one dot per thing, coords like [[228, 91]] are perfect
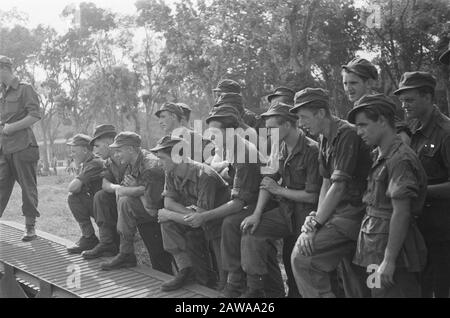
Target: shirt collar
[[298, 148], [389, 153], [136, 167], [427, 128]]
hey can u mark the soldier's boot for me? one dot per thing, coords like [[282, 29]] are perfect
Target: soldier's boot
[[183, 277], [255, 288], [235, 285], [107, 246], [29, 234], [121, 260], [101, 250], [83, 244]]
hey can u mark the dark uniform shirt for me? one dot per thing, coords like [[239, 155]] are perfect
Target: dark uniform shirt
[[148, 173], [245, 172], [395, 176], [91, 174], [298, 171], [114, 171], [17, 102], [431, 141], [346, 158], [202, 187]]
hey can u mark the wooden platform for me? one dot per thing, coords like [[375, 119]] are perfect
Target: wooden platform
[[45, 266]]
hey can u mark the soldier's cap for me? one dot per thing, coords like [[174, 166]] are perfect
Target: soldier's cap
[[185, 108], [281, 91], [5, 61], [411, 80], [170, 107], [380, 102], [279, 109], [230, 98], [102, 130], [81, 140], [228, 86], [223, 111], [126, 138], [445, 57], [166, 142], [362, 67], [311, 97]]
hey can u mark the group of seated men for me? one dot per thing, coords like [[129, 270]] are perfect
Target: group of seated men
[[348, 200]]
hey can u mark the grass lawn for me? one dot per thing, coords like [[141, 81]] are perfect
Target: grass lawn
[[56, 217]]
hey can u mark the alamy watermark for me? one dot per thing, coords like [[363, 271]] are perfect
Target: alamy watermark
[[230, 141]]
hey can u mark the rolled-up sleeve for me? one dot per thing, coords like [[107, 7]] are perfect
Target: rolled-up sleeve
[[346, 156], [403, 182], [31, 101], [207, 188], [170, 190], [246, 183], [153, 181], [313, 178]]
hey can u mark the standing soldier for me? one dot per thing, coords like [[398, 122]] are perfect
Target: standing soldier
[[431, 141], [190, 189], [19, 153], [138, 201], [297, 196], [281, 95], [389, 237], [82, 190], [359, 78], [105, 206], [344, 165]]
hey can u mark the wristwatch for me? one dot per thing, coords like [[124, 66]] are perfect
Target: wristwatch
[[316, 224]]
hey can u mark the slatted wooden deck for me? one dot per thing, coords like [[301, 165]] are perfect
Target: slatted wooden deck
[[45, 266]]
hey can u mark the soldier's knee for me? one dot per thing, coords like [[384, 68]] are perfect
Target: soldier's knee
[[102, 196]]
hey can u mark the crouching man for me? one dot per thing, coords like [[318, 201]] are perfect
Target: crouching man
[[191, 188], [82, 190], [105, 206], [138, 200], [389, 237]]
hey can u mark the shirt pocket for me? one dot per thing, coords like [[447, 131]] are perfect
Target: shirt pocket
[[429, 161], [380, 187], [12, 102], [298, 178]]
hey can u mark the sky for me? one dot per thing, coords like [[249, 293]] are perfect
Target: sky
[[48, 11]]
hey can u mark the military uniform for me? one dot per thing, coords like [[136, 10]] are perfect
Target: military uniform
[[105, 206], [135, 211], [396, 175], [431, 141], [342, 158], [81, 203], [300, 171], [202, 187], [19, 151]]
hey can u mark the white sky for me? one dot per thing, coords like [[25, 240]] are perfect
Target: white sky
[[48, 11]]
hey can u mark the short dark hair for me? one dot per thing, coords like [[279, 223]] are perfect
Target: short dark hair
[[375, 113]]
